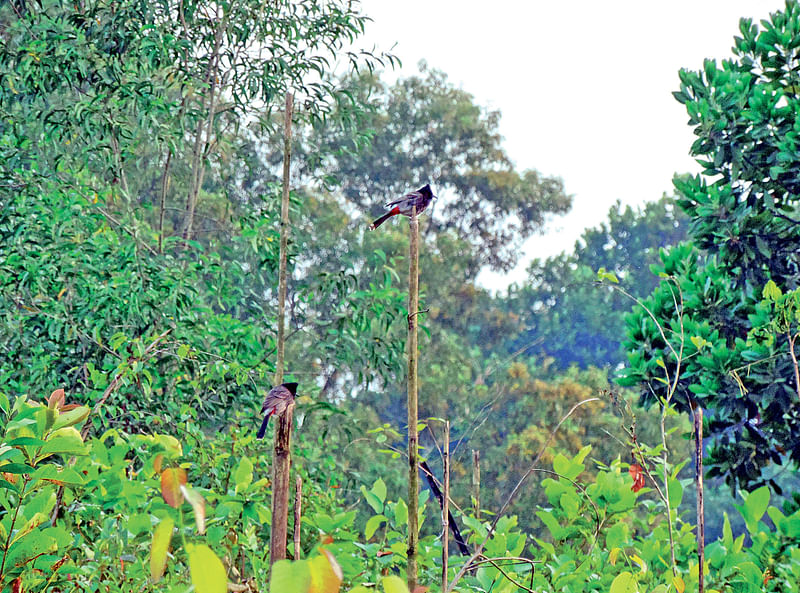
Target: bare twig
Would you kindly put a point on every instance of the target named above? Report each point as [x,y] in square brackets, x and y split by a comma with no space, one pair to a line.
[479,549]
[697,418]
[476,483]
[298,510]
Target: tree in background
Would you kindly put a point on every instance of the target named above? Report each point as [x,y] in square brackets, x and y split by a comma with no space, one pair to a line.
[723,292]
[566,315]
[423,129]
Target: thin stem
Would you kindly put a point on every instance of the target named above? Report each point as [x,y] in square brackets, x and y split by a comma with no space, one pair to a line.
[413,436]
[792,339]
[446,504]
[25,480]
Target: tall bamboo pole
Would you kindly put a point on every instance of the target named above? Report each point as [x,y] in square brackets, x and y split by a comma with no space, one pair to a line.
[281,454]
[413,437]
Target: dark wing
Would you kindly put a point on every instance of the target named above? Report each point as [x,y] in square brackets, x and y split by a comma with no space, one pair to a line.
[274,396]
[409,197]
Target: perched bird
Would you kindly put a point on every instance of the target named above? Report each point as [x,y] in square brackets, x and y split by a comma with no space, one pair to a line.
[276,402]
[419,199]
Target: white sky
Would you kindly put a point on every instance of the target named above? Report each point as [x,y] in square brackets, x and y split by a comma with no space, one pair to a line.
[584,87]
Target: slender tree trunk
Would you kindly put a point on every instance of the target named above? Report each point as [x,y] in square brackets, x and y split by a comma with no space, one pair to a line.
[281,458]
[698,476]
[446,504]
[476,483]
[203,140]
[163,201]
[413,437]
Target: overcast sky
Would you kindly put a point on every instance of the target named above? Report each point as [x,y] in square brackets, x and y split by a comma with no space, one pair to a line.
[584,87]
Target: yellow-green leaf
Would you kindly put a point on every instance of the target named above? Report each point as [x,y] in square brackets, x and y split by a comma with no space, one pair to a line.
[394,584]
[612,556]
[678,583]
[159,548]
[624,582]
[71,418]
[326,575]
[206,569]
[290,576]
[64,441]
[642,564]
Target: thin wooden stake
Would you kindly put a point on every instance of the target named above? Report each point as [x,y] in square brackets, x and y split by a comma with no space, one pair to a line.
[281,455]
[413,436]
[476,483]
[298,511]
[698,476]
[446,504]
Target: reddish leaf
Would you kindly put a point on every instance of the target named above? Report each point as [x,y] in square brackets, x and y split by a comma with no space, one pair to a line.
[59,563]
[69,407]
[636,472]
[382,553]
[16,585]
[172,479]
[159,459]
[420,589]
[56,399]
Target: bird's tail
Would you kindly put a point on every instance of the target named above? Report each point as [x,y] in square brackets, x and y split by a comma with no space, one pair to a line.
[378,222]
[263,430]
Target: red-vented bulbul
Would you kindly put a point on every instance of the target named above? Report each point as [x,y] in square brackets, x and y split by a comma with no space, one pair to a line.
[276,402]
[419,199]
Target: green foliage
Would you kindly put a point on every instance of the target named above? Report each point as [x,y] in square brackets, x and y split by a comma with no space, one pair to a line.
[83,301]
[37,439]
[737,359]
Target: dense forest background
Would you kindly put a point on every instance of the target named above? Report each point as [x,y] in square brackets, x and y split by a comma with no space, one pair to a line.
[141,154]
